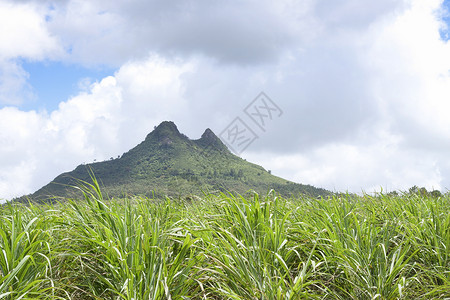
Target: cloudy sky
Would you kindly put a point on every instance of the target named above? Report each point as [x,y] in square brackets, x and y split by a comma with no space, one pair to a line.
[362,87]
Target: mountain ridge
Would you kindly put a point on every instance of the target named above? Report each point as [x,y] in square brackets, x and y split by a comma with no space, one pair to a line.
[168,163]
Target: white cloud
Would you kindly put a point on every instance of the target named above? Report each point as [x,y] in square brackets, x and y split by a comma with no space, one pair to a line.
[14,88]
[403,66]
[242,32]
[357,168]
[110,118]
[18,139]
[24,35]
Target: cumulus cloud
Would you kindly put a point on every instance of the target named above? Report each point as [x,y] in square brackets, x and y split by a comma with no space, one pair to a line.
[353,14]
[241,32]
[386,125]
[14,88]
[24,35]
[381,118]
[107,119]
[380,165]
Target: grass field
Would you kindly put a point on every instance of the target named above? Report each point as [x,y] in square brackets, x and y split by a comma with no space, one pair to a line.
[227,247]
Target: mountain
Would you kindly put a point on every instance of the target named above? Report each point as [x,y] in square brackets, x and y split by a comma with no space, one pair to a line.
[167,163]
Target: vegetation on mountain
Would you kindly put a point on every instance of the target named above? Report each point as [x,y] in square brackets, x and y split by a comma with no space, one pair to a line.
[167,163]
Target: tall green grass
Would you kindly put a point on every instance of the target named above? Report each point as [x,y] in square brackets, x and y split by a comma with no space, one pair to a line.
[227,247]
[26,251]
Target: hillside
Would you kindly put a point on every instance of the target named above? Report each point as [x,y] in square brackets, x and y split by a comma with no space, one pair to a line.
[169,163]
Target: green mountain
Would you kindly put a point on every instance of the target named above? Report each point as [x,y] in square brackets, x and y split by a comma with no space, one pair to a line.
[167,163]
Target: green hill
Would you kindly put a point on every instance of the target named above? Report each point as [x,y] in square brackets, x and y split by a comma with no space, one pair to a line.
[167,163]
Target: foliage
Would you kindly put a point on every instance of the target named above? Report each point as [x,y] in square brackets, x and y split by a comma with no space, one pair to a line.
[227,247]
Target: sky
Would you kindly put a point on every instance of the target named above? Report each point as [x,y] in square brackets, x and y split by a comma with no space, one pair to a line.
[347,95]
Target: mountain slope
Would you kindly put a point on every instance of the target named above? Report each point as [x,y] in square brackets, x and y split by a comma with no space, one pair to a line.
[169,163]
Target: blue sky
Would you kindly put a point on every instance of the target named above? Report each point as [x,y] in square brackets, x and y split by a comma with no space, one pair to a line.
[364,86]
[54,82]
[445,33]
